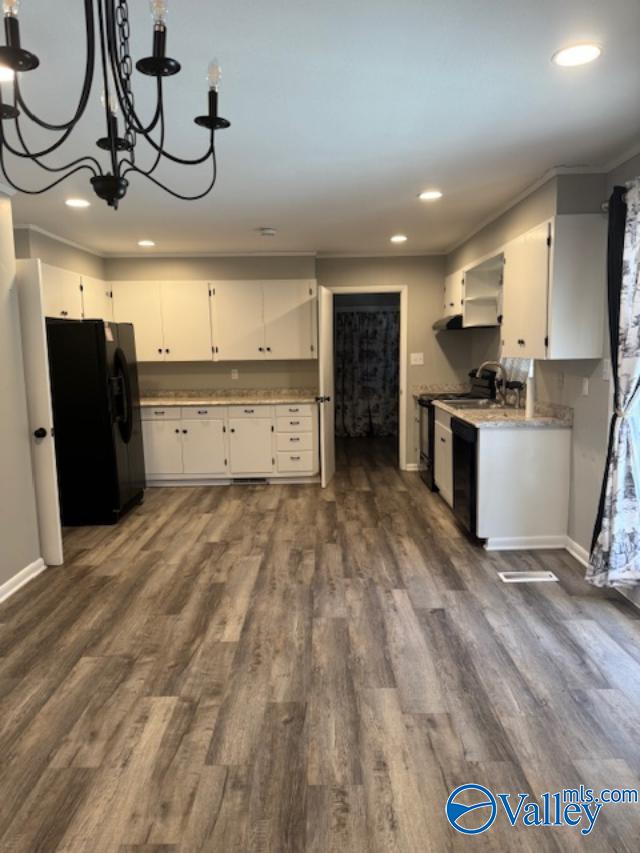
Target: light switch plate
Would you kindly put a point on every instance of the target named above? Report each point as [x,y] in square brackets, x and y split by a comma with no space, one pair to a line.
[417,359]
[235,374]
[585,386]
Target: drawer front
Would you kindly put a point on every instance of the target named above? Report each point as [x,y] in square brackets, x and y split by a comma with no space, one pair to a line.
[295,441]
[160,413]
[294,423]
[304,410]
[204,413]
[250,411]
[443,418]
[295,463]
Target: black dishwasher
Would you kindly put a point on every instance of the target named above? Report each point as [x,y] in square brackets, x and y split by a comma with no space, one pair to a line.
[465,474]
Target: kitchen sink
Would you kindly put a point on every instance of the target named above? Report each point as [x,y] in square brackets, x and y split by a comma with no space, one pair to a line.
[474,404]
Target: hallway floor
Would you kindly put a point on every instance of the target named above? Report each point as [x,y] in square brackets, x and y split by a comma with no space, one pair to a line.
[281,668]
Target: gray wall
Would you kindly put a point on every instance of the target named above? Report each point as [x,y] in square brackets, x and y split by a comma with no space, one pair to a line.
[447,357]
[19,544]
[248,267]
[30,243]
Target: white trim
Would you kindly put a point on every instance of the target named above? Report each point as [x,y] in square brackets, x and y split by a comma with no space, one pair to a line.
[411,466]
[403,290]
[526,543]
[155,255]
[581,554]
[22,578]
[58,239]
[182,481]
[5,189]
[629,154]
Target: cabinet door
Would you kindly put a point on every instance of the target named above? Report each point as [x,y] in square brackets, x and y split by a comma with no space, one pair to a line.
[251,446]
[162,447]
[97,303]
[289,319]
[186,323]
[138,302]
[453,293]
[444,462]
[237,320]
[526,284]
[203,446]
[61,294]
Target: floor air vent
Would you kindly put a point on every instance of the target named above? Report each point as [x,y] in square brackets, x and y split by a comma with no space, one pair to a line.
[527,577]
[249,481]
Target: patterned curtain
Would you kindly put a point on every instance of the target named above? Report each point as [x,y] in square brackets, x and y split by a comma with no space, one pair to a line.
[615,554]
[367,368]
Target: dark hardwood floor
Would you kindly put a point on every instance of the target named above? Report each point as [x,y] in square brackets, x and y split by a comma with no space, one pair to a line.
[281,668]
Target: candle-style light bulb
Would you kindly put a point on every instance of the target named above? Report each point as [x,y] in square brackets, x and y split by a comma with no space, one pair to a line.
[113,103]
[214,75]
[10,8]
[159,10]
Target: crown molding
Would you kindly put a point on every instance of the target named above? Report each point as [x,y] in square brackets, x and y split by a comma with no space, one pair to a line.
[5,189]
[58,239]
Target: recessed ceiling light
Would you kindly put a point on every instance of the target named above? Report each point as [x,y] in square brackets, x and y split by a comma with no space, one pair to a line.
[430,195]
[77,202]
[6,74]
[576,54]
[146,244]
[399,238]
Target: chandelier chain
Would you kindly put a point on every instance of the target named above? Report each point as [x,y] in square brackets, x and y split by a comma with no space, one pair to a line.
[125,66]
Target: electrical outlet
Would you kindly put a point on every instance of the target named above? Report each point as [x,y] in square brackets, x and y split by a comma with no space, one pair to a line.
[585,386]
[606,369]
[417,359]
[235,374]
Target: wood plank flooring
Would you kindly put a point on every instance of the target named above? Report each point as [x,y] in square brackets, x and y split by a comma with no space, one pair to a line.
[281,668]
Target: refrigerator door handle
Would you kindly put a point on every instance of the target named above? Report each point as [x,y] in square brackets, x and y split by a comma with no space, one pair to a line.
[124,401]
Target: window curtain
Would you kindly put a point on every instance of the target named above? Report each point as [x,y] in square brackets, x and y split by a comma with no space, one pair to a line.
[367,345]
[615,553]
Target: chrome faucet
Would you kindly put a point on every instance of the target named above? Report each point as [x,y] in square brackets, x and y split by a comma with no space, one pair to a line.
[502,391]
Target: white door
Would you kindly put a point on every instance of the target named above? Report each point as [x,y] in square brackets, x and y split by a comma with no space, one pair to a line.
[526,284]
[288,319]
[186,322]
[251,446]
[97,303]
[237,320]
[326,382]
[138,302]
[203,446]
[162,447]
[62,296]
[36,369]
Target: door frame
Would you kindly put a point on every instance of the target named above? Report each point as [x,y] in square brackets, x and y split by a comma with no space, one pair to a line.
[403,290]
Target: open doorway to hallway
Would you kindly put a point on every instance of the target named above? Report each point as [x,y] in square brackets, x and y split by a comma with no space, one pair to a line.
[367,378]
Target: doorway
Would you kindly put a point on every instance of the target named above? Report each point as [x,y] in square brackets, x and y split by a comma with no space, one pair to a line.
[367,378]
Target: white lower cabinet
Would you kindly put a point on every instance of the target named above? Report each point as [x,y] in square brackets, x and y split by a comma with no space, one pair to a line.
[201,443]
[443,455]
[251,445]
[162,447]
[204,446]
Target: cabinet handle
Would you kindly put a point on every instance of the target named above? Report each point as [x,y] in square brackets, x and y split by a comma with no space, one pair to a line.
[249,411]
[294,411]
[203,411]
[294,439]
[232,429]
[294,423]
[159,413]
[295,458]
[185,431]
[167,350]
[40,433]
[260,349]
[443,440]
[160,350]
[178,432]
[268,349]
[521,342]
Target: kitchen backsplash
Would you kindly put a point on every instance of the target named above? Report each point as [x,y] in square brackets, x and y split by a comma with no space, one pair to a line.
[183,376]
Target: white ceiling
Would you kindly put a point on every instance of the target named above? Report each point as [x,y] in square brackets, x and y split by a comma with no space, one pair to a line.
[342,111]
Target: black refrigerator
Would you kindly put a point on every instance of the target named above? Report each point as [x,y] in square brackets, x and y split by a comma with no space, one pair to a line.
[96,419]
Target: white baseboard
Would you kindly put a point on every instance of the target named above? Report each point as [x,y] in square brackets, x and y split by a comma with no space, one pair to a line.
[411,466]
[23,577]
[581,554]
[526,543]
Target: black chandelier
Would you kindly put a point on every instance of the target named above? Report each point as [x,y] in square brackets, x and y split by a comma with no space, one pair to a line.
[116,69]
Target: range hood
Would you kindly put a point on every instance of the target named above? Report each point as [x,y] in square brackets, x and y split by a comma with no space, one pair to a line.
[452,322]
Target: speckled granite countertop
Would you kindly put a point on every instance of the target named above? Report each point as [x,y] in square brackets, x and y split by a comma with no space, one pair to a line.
[435,388]
[249,397]
[547,416]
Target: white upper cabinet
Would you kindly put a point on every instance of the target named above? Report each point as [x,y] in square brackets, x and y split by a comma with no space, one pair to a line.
[526,274]
[61,293]
[139,302]
[237,320]
[554,290]
[289,319]
[185,321]
[453,285]
[97,303]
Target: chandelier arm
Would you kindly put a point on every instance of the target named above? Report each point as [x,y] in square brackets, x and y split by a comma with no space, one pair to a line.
[86,88]
[44,189]
[133,168]
[25,154]
[126,104]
